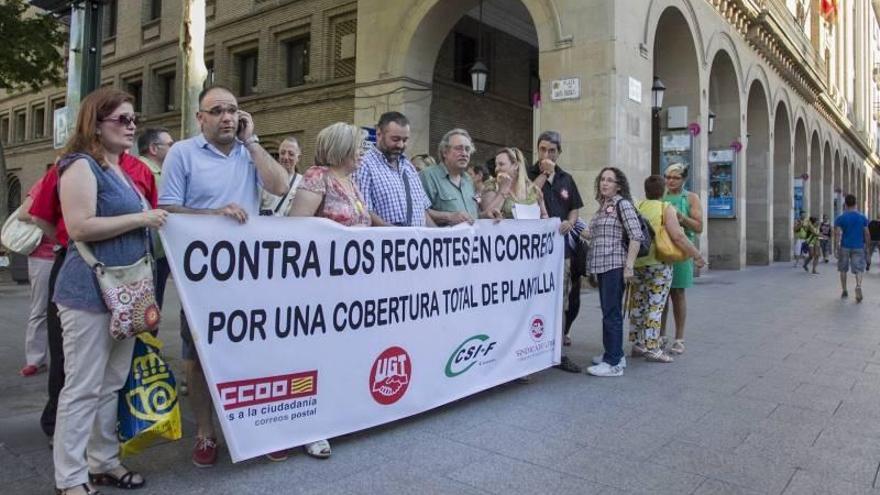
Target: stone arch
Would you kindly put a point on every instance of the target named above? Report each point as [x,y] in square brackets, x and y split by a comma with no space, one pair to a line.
[800,167]
[815,174]
[838,183]
[756,72]
[827,186]
[758,178]
[782,182]
[725,235]
[658,8]
[783,97]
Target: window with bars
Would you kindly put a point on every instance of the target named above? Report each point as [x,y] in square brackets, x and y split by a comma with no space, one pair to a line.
[344,44]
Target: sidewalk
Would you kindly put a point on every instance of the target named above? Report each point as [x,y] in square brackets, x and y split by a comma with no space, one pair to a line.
[779,392]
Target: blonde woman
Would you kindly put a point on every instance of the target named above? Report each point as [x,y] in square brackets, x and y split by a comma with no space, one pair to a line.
[328,188]
[510,185]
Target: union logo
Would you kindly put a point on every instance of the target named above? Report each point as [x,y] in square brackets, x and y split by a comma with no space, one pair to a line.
[536,328]
[390,375]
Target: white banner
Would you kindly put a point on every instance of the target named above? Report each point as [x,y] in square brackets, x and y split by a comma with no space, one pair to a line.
[309,330]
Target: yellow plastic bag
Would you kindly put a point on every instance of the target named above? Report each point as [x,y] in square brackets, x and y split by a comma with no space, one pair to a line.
[148,407]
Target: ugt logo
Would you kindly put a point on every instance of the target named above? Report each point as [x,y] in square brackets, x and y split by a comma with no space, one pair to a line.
[390,375]
[536,328]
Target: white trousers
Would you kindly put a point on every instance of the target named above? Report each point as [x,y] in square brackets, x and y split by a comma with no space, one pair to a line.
[35,340]
[96,367]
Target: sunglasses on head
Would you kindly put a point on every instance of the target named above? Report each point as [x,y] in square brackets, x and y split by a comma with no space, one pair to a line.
[122,119]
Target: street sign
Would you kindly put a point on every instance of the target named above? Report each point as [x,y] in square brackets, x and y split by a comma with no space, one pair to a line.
[61,127]
[565,89]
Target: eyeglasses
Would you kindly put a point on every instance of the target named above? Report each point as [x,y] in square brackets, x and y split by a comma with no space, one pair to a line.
[462,148]
[159,143]
[218,111]
[124,120]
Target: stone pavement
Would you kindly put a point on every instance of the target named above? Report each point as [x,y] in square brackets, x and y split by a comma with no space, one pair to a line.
[779,392]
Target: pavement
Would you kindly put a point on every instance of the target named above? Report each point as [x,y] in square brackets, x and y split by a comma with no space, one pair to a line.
[778,393]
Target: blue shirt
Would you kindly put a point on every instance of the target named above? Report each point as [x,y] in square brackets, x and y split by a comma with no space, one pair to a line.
[853,224]
[393,193]
[197,175]
[77,286]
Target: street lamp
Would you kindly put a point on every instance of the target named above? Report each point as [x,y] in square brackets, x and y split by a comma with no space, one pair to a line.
[711,124]
[479,72]
[657,91]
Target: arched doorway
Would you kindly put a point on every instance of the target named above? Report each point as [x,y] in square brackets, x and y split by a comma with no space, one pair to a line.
[815,173]
[827,188]
[782,175]
[13,194]
[801,191]
[758,177]
[503,116]
[675,64]
[725,234]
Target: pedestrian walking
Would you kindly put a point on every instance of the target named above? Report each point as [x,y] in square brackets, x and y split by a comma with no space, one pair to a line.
[652,278]
[851,235]
[811,241]
[825,237]
[800,235]
[690,216]
[612,260]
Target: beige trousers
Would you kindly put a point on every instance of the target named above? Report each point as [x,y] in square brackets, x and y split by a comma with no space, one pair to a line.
[36,344]
[96,367]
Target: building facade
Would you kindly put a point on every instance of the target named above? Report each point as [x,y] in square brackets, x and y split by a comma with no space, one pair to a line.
[793,87]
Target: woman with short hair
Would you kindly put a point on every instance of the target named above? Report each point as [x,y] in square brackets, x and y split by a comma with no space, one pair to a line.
[689,213]
[653,278]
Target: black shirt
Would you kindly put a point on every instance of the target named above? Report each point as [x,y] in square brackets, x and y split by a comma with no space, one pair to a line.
[561,196]
[874,228]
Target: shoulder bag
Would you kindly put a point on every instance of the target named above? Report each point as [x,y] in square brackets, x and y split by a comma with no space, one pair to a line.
[20,237]
[664,249]
[647,231]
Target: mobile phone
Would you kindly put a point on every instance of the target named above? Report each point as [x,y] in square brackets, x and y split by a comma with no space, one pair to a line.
[242,123]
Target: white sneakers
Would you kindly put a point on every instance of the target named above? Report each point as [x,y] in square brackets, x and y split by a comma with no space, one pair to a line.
[601,358]
[605,369]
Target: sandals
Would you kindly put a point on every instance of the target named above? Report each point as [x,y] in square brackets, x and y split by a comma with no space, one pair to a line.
[658,356]
[124,482]
[84,486]
[319,449]
[677,347]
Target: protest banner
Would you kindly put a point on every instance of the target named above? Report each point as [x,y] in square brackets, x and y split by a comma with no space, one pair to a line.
[308,330]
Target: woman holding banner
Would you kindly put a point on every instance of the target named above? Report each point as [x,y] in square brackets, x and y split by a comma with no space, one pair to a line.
[510,186]
[328,190]
[101,207]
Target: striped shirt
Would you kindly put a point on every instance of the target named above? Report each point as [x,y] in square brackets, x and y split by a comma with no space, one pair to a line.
[607,251]
[395,194]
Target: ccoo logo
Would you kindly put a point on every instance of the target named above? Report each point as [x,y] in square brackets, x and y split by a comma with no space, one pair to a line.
[536,328]
[390,375]
[474,350]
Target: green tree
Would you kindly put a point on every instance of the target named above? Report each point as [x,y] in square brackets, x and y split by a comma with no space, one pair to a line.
[30,58]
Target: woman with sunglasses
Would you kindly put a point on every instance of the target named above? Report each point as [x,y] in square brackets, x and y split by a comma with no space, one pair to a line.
[102,208]
[690,216]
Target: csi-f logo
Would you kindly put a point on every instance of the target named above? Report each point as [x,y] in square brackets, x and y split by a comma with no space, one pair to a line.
[474,350]
[390,375]
[536,328]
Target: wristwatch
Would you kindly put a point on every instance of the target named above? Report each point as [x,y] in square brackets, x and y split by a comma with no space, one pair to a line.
[253,139]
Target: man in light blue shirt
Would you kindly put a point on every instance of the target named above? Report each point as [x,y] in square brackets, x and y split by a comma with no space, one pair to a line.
[218,172]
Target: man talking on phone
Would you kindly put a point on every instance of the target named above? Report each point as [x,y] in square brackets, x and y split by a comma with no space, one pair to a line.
[218,172]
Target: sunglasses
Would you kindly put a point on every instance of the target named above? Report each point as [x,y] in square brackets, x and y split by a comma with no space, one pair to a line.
[122,119]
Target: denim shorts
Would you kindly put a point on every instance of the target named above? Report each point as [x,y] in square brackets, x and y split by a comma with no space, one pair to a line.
[851,260]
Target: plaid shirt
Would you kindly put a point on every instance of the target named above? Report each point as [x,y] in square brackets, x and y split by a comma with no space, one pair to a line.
[607,251]
[385,189]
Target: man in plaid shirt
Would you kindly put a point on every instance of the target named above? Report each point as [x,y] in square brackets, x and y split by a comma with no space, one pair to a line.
[388,180]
